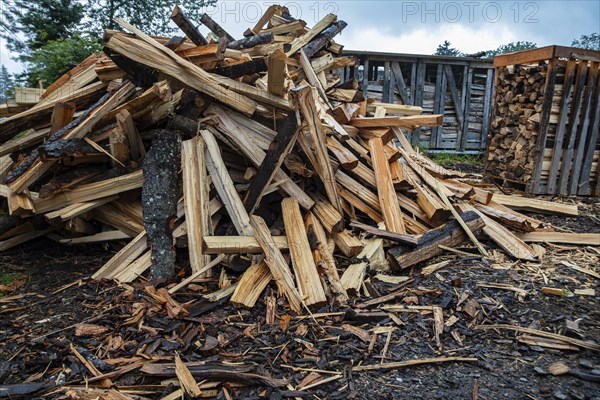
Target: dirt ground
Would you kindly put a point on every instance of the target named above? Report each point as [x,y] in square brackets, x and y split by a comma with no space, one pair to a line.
[39,313]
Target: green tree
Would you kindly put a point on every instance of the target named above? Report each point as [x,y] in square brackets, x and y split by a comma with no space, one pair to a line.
[152,16]
[511,47]
[56,57]
[49,36]
[444,49]
[28,25]
[7,84]
[591,41]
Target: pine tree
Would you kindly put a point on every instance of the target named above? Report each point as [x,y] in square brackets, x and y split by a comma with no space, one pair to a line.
[28,25]
[150,15]
[7,85]
[444,49]
[591,41]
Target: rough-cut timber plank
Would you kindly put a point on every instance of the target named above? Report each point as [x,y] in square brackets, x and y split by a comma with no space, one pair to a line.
[281,145]
[451,234]
[124,257]
[224,185]
[159,200]
[276,263]
[408,122]
[323,257]
[392,215]
[321,163]
[90,191]
[535,205]
[187,27]
[307,276]
[589,239]
[408,240]
[238,244]
[195,199]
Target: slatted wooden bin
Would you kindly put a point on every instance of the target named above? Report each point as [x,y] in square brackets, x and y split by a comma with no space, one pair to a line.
[461,88]
[544,132]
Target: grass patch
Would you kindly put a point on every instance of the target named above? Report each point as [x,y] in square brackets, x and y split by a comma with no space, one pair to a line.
[450,159]
[7,278]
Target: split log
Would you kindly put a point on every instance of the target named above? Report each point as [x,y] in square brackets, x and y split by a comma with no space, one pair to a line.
[321,40]
[238,244]
[281,145]
[235,71]
[307,276]
[303,40]
[353,277]
[159,201]
[323,256]
[451,234]
[215,27]
[252,283]
[242,140]
[224,185]
[388,200]
[276,263]
[195,199]
[187,27]
[61,115]
[252,41]
[314,146]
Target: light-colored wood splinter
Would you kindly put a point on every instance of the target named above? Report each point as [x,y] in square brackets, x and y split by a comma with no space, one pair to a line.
[195,199]
[307,276]
[388,200]
[224,185]
[276,263]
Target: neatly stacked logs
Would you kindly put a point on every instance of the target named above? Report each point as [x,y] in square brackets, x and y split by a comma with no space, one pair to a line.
[519,95]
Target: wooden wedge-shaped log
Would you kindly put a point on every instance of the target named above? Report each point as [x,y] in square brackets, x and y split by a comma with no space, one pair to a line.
[449,235]
[224,185]
[307,276]
[388,200]
[195,199]
[276,263]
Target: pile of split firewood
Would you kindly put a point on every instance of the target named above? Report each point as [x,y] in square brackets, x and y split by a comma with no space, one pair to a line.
[251,157]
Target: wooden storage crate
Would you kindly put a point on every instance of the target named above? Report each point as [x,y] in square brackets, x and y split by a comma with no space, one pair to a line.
[544,129]
[461,88]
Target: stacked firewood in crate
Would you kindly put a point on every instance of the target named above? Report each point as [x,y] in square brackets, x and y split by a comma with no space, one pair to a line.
[245,160]
[519,95]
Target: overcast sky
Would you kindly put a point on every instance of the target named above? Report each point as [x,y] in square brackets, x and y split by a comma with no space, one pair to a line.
[419,26]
